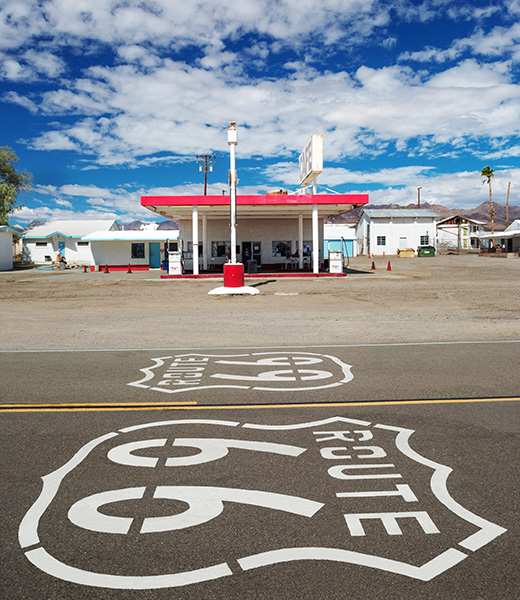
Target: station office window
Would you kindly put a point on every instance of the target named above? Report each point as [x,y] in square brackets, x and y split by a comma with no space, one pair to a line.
[41,244]
[425,240]
[381,240]
[138,250]
[83,243]
[189,254]
[219,249]
[281,248]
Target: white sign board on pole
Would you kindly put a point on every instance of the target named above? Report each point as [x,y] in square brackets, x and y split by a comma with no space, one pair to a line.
[311,160]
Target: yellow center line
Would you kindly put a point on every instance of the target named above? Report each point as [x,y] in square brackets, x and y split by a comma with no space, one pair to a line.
[193,405]
[89,404]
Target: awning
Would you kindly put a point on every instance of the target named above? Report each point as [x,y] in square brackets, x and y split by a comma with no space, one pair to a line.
[157,235]
[501,235]
[278,206]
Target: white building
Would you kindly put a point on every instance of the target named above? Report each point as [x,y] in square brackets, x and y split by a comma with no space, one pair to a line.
[6,247]
[385,231]
[339,236]
[459,232]
[115,249]
[503,243]
[47,242]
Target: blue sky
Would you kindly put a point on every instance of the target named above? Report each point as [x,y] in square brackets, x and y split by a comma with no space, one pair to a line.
[108,100]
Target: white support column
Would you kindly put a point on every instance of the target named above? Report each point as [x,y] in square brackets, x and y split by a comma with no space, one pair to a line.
[300,240]
[195,236]
[205,247]
[315,240]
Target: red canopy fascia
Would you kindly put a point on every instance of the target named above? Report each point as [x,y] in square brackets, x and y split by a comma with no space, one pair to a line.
[275,205]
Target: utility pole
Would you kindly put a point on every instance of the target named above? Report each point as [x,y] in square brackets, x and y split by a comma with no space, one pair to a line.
[507,204]
[205,162]
[419,197]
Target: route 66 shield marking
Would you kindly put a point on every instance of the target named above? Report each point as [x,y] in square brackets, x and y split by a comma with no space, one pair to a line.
[339,489]
[259,371]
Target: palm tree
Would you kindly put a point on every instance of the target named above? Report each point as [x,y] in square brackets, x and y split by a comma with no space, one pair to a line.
[488,173]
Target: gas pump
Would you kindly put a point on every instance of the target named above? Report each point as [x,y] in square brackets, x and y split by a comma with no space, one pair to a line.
[335,260]
[175,263]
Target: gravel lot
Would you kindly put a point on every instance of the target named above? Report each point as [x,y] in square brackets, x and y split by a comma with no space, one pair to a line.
[444,298]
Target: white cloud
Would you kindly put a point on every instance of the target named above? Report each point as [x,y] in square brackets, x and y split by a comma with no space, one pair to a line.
[26,215]
[26,102]
[399,185]
[184,110]
[162,21]
[44,63]
[452,190]
[54,140]
[65,203]
[14,70]
[501,41]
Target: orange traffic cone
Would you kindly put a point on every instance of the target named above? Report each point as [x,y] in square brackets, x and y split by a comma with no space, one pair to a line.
[373,266]
[106,269]
[129,269]
[389,268]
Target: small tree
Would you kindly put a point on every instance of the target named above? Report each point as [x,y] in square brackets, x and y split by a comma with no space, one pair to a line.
[12,182]
[488,173]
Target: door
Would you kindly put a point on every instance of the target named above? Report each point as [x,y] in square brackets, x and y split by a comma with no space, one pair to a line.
[154,254]
[403,242]
[257,253]
[252,251]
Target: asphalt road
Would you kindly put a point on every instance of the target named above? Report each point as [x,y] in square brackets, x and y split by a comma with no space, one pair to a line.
[359,472]
[264,375]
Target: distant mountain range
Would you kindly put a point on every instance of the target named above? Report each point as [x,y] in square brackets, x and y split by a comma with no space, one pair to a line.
[139,225]
[480,213]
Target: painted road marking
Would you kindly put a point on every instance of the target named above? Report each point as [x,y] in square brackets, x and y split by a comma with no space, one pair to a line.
[284,521]
[256,371]
[265,348]
[194,406]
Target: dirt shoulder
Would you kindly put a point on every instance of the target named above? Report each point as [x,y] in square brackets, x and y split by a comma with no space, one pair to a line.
[421,299]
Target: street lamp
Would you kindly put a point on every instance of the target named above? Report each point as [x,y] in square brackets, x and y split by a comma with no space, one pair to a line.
[419,197]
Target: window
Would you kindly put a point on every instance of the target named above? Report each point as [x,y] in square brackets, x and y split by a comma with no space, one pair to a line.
[381,240]
[220,249]
[189,254]
[41,244]
[83,243]
[281,249]
[307,248]
[138,250]
[425,240]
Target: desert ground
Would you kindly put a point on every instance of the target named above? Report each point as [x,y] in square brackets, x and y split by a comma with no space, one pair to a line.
[441,298]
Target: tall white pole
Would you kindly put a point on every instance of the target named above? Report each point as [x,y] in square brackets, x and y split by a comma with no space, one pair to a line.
[195,236]
[315,240]
[315,231]
[300,241]
[233,141]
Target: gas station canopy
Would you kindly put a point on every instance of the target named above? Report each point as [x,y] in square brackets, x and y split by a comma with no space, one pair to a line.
[270,206]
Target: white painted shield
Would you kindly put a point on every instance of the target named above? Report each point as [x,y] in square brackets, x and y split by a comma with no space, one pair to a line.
[339,489]
[258,371]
